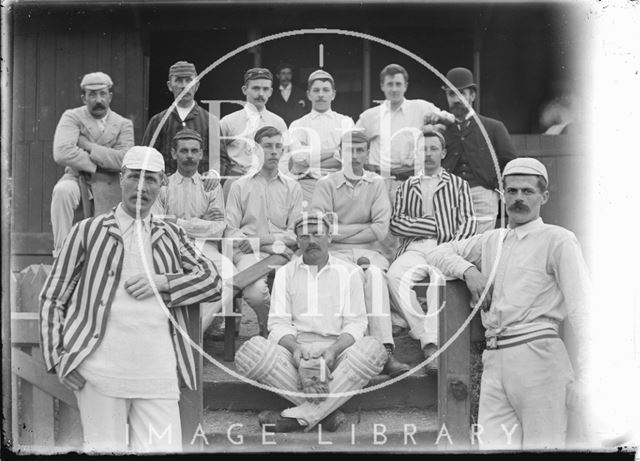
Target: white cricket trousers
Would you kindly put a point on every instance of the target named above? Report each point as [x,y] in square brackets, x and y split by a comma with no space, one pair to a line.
[523,396]
[111,424]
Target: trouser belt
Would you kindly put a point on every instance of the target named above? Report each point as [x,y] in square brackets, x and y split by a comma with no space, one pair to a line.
[503,342]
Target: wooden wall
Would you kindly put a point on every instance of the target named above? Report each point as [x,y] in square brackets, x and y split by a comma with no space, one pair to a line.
[49,60]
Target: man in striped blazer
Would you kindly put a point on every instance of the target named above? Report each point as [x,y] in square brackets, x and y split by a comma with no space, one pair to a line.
[114,311]
[430,208]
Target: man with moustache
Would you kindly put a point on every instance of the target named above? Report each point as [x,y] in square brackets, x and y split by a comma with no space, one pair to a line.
[430,208]
[541,279]
[238,128]
[316,341]
[104,329]
[185,201]
[468,152]
[316,136]
[289,101]
[359,203]
[260,213]
[87,139]
[186,114]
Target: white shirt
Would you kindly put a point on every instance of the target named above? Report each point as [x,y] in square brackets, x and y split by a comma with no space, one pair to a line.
[394,135]
[428,184]
[184,111]
[541,277]
[325,303]
[315,134]
[242,125]
[286,91]
[135,358]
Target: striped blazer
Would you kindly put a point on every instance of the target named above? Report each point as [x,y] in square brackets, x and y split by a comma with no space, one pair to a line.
[453,217]
[76,298]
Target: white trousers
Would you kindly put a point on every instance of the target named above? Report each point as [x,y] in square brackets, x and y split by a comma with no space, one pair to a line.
[407,269]
[65,198]
[485,207]
[111,424]
[272,364]
[376,291]
[523,396]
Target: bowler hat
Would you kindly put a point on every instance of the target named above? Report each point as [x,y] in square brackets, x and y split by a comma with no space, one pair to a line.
[460,78]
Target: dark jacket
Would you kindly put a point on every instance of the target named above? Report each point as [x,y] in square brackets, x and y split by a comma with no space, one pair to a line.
[197,120]
[293,109]
[468,154]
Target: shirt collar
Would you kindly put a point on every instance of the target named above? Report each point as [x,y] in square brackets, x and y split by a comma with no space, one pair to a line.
[251,110]
[125,221]
[300,262]
[315,114]
[188,109]
[524,230]
[180,179]
[282,87]
[366,177]
[437,175]
[278,175]
[386,106]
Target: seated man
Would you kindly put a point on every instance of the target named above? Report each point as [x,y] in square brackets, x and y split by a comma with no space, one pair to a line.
[88,138]
[303,347]
[200,212]
[360,205]
[261,209]
[431,208]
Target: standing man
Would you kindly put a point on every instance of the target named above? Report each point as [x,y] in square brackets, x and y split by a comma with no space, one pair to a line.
[87,138]
[359,202]
[200,212]
[107,333]
[316,329]
[239,128]
[261,208]
[288,102]
[469,156]
[186,114]
[430,208]
[395,127]
[540,279]
[317,135]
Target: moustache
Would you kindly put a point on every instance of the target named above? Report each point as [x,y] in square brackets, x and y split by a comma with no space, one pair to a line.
[99,106]
[518,207]
[312,247]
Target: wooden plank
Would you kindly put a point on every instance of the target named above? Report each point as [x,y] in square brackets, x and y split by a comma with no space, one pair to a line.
[44,422]
[48,181]
[135,84]
[20,183]
[18,88]
[34,217]
[45,86]
[117,62]
[25,331]
[20,262]
[454,374]
[29,76]
[33,371]
[89,52]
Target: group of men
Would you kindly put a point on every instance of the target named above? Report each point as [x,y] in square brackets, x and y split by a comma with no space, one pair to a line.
[360,210]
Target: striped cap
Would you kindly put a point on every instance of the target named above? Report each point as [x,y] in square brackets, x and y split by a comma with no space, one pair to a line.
[182,69]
